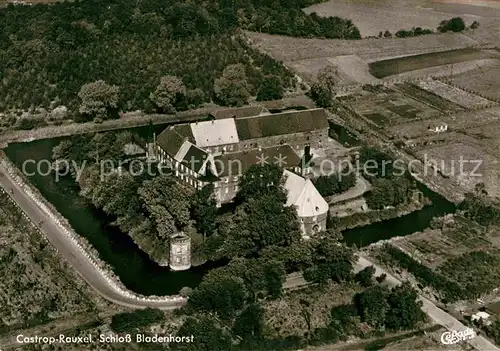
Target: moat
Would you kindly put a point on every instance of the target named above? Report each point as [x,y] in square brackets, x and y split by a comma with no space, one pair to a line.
[135,269]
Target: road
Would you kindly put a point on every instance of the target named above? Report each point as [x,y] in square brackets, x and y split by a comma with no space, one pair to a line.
[70,251]
[435,313]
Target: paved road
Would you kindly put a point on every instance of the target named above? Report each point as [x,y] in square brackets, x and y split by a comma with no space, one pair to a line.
[72,254]
[435,313]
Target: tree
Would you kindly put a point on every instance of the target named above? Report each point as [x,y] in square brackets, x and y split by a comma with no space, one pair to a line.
[381,278]
[204,209]
[321,95]
[329,77]
[271,88]
[372,305]
[249,324]
[474,25]
[382,194]
[221,294]
[404,308]
[232,88]
[168,93]
[259,180]
[195,97]
[342,318]
[456,24]
[364,277]
[331,260]
[167,201]
[98,99]
[274,276]
[387,34]
[208,335]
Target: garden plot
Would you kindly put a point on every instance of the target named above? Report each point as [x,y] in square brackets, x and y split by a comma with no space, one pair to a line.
[384,106]
[428,98]
[434,246]
[455,95]
[460,121]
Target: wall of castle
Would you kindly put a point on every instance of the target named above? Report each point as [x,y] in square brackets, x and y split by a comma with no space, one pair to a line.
[298,141]
[312,225]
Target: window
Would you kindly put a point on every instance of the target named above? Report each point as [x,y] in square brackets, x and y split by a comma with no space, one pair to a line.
[226,190]
[235,188]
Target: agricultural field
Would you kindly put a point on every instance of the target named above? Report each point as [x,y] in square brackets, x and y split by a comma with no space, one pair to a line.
[454,94]
[37,286]
[351,57]
[385,68]
[485,80]
[366,14]
[465,163]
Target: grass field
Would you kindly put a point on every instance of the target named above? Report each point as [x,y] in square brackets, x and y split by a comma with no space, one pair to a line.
[386,68]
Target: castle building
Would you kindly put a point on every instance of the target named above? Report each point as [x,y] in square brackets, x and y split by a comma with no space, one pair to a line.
[180,252]
[312,209]
[219,151]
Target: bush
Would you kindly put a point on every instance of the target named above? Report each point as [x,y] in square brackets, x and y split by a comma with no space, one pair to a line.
[27,123]
[321,95]
[128,322]
[364,277]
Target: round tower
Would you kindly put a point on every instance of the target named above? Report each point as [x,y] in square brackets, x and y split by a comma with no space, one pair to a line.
[180,252]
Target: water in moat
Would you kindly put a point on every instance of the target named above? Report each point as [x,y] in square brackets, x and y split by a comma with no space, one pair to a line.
[135,269]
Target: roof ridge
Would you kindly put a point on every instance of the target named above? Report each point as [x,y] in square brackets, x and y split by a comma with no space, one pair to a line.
[283,113]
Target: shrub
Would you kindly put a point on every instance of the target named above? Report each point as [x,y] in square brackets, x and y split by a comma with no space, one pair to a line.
[130,321]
